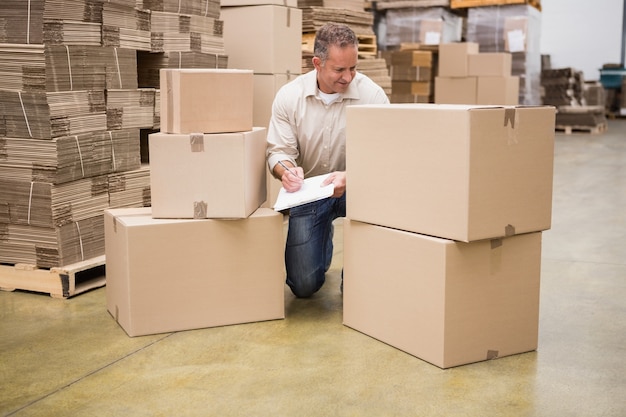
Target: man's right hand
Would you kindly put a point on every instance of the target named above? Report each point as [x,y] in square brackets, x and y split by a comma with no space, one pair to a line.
[292,178]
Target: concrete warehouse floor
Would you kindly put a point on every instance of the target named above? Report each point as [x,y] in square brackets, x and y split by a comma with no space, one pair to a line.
[70,358]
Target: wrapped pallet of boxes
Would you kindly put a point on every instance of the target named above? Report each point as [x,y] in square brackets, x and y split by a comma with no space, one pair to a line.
[459,218]
[166,275]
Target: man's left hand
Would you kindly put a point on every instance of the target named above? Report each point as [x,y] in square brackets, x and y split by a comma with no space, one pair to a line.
[338,178]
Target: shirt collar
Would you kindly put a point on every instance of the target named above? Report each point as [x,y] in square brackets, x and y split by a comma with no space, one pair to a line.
[311,86]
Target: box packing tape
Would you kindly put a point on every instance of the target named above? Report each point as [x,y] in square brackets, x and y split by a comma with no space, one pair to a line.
[196,142]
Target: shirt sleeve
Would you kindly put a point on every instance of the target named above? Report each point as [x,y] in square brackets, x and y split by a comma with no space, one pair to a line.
[282,143]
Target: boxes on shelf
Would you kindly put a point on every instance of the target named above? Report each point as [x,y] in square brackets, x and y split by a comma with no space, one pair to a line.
[219,175]
[166,275]
[445,302]
[464,173]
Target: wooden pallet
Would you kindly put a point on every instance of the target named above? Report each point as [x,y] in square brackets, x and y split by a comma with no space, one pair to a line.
[367,44]
[461,4]
[59,282]
[594,130]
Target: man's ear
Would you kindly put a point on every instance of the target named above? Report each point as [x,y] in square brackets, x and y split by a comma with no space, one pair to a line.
[317,62]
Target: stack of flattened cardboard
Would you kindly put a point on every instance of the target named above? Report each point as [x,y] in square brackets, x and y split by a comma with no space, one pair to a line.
[464,241]
[130,188]
[562,87]
[360,21]
[150,64]
[56,151]
[125,27]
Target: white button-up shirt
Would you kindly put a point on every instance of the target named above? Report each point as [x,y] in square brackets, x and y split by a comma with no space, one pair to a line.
[308,132]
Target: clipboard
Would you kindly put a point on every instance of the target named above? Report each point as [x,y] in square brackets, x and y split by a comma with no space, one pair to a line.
[311,190]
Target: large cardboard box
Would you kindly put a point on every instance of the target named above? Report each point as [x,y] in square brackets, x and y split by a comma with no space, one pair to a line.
[271,43]
[166,275]
[490,64]
[448,303]
[265,88]
[206,100]
[458,172]
[498,90]
[220,175]
[453,58]
[456,90]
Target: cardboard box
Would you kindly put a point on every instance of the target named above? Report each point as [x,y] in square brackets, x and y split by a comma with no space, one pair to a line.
[498,90]
[458,172]
[271,43]
[448,303]
[207,176]
[206,100]
[265,88]
[410,58]
[490,64]
[166,275]
[422,88]
[453,58]
[410,73]
[458,90]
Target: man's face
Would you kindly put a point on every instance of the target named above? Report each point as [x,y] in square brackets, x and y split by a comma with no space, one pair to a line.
[339,70]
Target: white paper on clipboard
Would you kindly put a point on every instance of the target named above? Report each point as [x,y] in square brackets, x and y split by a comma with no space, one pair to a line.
[312,190]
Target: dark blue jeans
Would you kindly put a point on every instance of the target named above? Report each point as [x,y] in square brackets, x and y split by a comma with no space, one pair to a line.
[309,249]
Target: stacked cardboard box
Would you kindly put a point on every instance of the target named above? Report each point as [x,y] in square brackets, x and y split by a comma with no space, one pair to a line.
[412,75]
[442,243]
[271,47]
[180,264]
[467,76]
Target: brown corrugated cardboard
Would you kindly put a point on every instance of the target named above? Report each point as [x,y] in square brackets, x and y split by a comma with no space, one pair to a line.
[271,43]
[206,100]
[490,64]
[458,172]
[423,88]
[412,58]
[265,88]
[457,90]
[448,303]
[220,175]
[288,3]
[167,275]
[453,60]
[498,90]
[410,73]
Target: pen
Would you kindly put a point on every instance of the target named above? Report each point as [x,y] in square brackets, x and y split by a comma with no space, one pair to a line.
[288,169]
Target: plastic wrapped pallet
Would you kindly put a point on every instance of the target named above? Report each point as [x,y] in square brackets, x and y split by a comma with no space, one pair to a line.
[415,25]
[515,29]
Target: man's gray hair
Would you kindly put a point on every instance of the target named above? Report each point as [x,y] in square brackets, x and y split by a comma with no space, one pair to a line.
[333,34]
